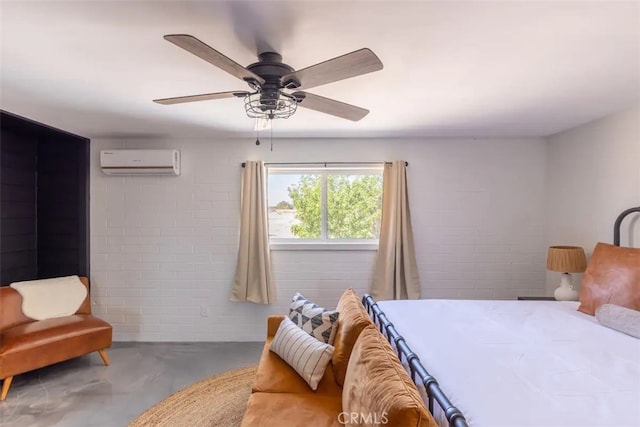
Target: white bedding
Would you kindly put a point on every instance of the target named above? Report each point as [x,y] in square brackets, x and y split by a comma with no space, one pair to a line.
[524,363]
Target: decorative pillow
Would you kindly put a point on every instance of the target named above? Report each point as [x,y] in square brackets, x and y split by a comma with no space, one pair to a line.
[612,277]
[51,298]
[318,322]
[308,356]
[377,384]
[619,318]
[353,319]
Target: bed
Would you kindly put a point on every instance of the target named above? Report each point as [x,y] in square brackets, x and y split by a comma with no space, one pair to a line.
[515,363]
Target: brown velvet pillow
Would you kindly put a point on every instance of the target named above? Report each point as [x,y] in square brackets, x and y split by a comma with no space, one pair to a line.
[612,277]
[353,319]
[378,385]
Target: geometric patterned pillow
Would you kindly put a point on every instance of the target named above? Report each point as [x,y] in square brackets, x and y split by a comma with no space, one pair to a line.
[318,322]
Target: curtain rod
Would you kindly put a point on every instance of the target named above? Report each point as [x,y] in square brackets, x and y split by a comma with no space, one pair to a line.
[243,164]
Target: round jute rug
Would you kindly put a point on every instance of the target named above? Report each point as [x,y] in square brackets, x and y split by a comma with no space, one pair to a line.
[217,401]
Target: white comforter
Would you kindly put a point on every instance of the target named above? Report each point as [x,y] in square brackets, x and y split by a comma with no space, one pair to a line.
[524,363]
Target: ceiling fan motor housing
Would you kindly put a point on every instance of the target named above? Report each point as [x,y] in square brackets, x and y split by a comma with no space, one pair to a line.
[271,68]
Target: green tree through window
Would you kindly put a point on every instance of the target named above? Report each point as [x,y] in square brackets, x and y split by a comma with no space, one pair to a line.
[284,205]
[306,196]
[354,206]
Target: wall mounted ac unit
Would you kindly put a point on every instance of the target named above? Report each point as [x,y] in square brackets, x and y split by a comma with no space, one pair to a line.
[140,162]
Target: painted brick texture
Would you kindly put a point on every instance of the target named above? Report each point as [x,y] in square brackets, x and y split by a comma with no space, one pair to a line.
[163,249]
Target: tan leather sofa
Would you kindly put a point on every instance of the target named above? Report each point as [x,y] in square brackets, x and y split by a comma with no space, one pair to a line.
[364,384]
[27,344]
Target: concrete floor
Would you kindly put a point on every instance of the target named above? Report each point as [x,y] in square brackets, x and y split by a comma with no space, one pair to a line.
[84,392]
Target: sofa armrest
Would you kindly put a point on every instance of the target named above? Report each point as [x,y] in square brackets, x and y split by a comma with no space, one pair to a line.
[85,307]
[273,322]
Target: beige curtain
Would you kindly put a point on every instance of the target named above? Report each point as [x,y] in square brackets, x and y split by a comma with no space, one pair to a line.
[396,273]
[252,281]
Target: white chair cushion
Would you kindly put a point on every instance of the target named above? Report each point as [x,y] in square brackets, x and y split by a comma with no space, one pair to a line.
[49,298]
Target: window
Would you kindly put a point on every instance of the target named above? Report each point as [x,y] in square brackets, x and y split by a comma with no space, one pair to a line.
[331,207]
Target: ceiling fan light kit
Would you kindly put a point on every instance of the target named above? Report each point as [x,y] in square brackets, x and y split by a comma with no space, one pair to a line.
[269,78]
[260,106]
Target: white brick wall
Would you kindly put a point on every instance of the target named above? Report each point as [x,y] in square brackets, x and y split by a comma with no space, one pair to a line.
[164,248]
[593,175]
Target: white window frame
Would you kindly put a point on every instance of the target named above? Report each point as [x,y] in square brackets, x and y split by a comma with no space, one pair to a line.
[324,243]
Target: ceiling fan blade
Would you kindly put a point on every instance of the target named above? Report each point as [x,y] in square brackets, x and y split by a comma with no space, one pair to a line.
[203,97]
[352,64]
[212,56]
[330,106]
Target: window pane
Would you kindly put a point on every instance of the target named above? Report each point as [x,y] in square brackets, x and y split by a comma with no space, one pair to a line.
[354,206]
[294,206]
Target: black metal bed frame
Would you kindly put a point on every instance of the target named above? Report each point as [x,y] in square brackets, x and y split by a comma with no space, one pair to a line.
[616,226]
[453,414]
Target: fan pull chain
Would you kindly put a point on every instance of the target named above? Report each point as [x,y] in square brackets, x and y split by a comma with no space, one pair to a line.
[257,137]
[272,135]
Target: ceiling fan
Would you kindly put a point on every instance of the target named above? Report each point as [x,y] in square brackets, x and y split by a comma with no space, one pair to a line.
[269,78]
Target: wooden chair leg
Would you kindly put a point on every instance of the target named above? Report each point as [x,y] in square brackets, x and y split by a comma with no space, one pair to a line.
[103,354]
[5,387]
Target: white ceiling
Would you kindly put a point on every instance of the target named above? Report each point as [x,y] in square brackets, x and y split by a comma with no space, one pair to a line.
[451,68]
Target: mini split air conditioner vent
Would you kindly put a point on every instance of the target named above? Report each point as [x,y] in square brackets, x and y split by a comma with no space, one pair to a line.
[140,162]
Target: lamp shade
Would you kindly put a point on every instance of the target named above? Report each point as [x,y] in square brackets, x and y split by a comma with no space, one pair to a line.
[566,259]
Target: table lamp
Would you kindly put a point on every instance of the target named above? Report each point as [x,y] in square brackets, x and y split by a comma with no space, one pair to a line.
[567,260]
